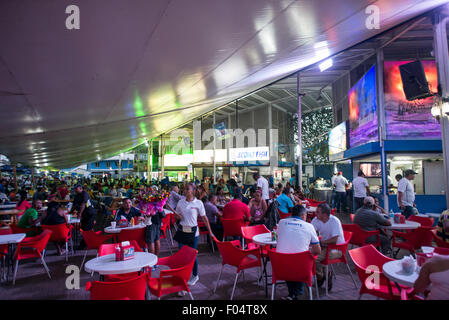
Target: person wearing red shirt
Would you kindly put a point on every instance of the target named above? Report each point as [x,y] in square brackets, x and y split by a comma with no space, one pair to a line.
[236,209]
[63,191]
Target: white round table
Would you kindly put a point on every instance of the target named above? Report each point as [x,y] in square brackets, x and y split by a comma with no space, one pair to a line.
[393,271]
[264,239]
[408,225]
[107,264]
[110,229]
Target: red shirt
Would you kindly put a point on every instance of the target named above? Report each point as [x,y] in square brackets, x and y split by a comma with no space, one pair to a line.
[236,209]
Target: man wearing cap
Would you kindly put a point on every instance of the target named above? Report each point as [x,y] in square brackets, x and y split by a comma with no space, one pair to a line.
[367,218]
[406,194]
[361,189]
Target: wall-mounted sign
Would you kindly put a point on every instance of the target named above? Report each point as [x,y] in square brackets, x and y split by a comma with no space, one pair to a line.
[249,154]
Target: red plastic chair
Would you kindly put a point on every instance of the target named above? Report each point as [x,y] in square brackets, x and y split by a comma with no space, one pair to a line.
[137,235]
[93,241]
[233,255]
[440,242]
[109,248]
[175,279]
[340,247]
[232,227]
[333,211]
[60,233]
[410,294]
[359,235]
[15,229]
[298,267]
[352,217]
[424,221]
[284,215]
[369,262]
[442,251]
[203,231]
[412,240]
[129,289]
[164,227]
[32,247]
[249,232]
[4,247]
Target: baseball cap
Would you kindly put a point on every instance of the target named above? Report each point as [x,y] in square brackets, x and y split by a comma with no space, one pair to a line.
[78,185]
[368,201]
[409,171]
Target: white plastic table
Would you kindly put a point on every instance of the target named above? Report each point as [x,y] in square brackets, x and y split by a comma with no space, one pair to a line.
[393,271]
[408,225]
[110,229]
[263,239]
[10,240]
[107,264]
[311,209]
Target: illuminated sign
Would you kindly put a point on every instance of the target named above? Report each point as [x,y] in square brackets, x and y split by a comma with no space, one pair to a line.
[249,154]
[207,156]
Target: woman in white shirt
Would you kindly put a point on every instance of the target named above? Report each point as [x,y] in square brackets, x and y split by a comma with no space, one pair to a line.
[187,211]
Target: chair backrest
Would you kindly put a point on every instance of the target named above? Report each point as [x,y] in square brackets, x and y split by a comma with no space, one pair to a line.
[59,231]
[233,227]
[184,260]
[5,231]
[296,267]
[249,232]
[132,289]
[358,234]
[284,215]
[440,242]
[133,234]
[16,229]
[230,254]
[94,239]
[38,242]
[424,221]
[368,261]
[441,251]
[109,248]
[352,217]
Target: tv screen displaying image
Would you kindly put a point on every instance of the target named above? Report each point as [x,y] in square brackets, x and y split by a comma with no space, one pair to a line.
[409,119]
[363,110]
[337,140]
[372,170]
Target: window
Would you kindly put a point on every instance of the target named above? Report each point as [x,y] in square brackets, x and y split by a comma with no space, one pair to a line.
[97,164]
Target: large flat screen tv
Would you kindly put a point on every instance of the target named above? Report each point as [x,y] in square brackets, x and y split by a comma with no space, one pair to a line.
[363,110]
[409,119]
[338,141]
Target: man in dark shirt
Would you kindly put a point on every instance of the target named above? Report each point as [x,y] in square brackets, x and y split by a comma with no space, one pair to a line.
[127,211]
[84,209]
[368,219]
[212,214]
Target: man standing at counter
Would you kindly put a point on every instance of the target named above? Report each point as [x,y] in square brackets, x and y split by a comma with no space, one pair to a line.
[406,194]
[340,184]
[361,190]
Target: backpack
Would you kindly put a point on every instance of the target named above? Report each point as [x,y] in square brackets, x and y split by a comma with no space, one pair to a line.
[272,216]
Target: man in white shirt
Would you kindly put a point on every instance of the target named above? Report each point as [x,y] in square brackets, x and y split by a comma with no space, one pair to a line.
[340,184]
[296,235]
[262,185]
[331,232]
[361,190]
[406,194]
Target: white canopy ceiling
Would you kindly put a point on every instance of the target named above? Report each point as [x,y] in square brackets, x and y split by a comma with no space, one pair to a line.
[139,68]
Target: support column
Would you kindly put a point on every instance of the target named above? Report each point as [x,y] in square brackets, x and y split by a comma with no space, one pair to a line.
[215,147]
[33,183]
[120,166]
[298,87]
[442,60]
[148,160]
[381,124]
[162,157]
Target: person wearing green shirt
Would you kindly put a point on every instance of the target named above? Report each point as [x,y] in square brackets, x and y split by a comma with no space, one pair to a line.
[30,217]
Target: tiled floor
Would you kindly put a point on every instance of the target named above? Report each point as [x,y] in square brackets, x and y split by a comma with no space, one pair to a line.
[32,281]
